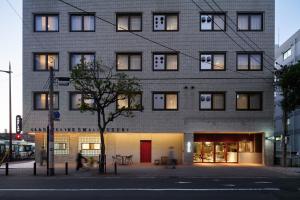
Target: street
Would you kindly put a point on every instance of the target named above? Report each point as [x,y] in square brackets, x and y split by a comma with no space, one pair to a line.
[117,187]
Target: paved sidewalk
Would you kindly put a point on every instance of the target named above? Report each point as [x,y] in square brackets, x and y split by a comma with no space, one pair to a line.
[152,171]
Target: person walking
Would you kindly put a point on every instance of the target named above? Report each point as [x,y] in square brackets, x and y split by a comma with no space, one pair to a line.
[79,160]
[43,156]
[171,160]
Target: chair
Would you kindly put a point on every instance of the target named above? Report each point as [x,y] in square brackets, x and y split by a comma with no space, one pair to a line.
[119,159]
[129,160]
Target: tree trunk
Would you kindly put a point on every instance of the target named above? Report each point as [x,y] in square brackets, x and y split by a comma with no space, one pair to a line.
[102,158]
[284,139]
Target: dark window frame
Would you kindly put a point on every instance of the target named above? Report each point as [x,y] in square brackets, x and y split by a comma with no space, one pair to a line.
[213,24]
[90,146]
[248,93]
[213,53]
[47,67]
[249,58]
[129,54]
[65,145]
[166,62]
[212,97]
[165,93]
[82,54]
[129,106]
[129,15]
[47,103]
[166,14]
[82,21]
[249,21]
[45,15]
[70,100]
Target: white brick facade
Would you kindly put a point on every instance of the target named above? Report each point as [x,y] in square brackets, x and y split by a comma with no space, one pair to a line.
[105,41]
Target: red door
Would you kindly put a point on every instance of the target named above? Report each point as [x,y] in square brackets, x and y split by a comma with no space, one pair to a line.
[145,151]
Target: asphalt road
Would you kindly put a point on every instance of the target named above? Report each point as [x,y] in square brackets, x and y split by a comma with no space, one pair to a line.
[133,188]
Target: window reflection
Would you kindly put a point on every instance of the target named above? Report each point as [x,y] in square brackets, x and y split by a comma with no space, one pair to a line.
[171,101]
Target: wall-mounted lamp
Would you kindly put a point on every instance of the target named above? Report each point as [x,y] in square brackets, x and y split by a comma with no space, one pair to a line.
[189,147]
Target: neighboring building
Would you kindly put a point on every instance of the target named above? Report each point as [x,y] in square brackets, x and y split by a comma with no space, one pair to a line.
[215,105]
[287,54]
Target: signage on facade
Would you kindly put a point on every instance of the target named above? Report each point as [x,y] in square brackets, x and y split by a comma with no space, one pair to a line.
[18,124]
[80,129]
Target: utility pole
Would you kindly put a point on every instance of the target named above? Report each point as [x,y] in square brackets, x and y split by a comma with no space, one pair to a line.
[50,132]
[10,125]
[10,120]
[284,140]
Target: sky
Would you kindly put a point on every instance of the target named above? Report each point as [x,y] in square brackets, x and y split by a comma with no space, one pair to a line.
[11,49]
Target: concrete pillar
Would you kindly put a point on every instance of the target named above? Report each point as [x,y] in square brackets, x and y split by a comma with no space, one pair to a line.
[188,148]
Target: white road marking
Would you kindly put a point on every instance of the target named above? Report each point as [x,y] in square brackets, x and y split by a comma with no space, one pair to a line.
[134,189]
[262,182]
[229,185]
[183,182]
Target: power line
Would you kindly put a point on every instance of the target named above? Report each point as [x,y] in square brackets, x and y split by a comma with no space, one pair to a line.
[148,39]
[250,45]
[232,21]
[225,32]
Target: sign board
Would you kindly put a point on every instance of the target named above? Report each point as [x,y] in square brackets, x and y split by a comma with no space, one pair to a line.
[63,81]
[56,115]
[18,124]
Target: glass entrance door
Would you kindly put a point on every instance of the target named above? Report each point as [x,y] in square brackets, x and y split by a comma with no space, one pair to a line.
[220,150]
[208,152]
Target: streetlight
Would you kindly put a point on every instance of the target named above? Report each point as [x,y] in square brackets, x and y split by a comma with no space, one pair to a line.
[10,126]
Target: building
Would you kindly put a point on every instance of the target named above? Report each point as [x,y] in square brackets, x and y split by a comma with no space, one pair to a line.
[287,54]
[211,100]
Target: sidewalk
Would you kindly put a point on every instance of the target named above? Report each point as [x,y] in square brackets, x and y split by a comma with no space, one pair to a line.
[152,171]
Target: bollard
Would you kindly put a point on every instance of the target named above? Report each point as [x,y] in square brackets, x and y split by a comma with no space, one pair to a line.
[116,172]
[34,168]
[6,169]
[66,168]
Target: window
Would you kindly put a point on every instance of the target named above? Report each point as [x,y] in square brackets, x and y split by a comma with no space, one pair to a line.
[129,22]
[130,102]
[129,61]
[287,54]
[165,100]
[249,61]
[250,22]
[43,61]
[246,146]
[165,61]
[46,23]
[41,102]
[212,22]
[81,58]
[212,61]
[82,23]
[60,146]
[90,146]
[77,99]
[249,101]
[165,22]
[212,101]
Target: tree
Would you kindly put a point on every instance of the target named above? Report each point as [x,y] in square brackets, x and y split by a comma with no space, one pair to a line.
[101,90]
[289,83]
